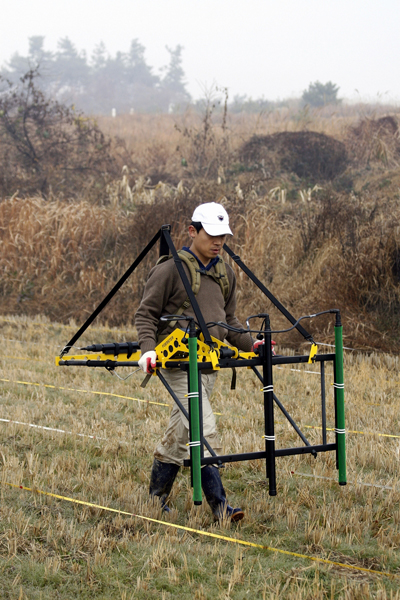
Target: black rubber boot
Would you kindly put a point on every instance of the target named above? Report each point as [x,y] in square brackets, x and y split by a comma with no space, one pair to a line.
[161,480]
[215,495]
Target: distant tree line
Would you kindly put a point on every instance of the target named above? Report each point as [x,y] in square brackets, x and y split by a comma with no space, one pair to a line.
[316,95]
[124,82]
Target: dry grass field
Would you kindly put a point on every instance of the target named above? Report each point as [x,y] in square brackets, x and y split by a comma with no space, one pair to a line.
[321,239]
[88,436]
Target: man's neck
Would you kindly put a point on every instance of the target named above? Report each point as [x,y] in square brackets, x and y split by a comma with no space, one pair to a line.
[202,259]
[210,262]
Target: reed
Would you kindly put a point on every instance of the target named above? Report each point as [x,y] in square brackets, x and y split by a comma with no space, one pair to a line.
[316,249]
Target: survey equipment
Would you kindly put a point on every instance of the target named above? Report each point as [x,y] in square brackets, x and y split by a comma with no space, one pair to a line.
[190,347]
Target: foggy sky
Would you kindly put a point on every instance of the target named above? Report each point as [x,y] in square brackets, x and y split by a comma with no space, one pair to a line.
[269,48]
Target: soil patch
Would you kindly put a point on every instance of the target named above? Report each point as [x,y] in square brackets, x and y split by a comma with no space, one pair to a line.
[308,154]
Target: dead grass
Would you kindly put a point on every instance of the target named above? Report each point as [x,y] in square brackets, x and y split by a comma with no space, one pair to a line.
[46,544]
[323,250]
[374,140]
[315,249]
[144,132]
[316,245]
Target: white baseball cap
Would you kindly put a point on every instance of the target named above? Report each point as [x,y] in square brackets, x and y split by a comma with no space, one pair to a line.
[213,217]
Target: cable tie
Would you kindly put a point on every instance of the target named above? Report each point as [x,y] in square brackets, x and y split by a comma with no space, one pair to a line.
[338,386]
[192,395]
[267,388]
[193,444]
[269,438]
[343,431]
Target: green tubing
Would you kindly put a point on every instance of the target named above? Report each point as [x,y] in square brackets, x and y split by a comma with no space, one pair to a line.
[339,389]
[194,420]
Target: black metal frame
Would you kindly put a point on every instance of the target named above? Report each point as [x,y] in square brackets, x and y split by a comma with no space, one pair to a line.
[266,360]
[270,398]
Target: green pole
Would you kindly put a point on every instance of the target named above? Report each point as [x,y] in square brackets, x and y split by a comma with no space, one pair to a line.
[339,398]
[195,443]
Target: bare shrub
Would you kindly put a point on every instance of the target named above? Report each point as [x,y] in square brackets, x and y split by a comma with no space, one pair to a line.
[49,148]
[314,248]
[349,255]
[206,148]
[61,259]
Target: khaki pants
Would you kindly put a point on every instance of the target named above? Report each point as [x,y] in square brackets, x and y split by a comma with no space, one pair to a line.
[173,446]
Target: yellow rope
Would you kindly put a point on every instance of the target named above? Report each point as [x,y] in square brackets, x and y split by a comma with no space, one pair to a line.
[54,387]
[206,533]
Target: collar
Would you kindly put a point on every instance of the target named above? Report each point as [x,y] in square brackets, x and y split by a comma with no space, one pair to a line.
[210,265]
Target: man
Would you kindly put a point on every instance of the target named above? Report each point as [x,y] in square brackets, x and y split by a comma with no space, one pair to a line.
[165,294]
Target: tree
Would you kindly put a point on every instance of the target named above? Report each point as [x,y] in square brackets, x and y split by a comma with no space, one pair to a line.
[37,57]
[48,147]
[99,57]
[320,94]
[137,70]
[142,85]
[173,83]
[124,81]
[71,70]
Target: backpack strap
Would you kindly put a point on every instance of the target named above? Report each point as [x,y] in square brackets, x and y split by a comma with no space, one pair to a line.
[191,263]
[195,279]
[220,276]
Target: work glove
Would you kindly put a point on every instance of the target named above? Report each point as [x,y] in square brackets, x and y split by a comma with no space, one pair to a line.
[147,362]
[261,343]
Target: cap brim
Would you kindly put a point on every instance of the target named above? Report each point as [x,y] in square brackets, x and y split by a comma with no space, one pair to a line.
[217,229]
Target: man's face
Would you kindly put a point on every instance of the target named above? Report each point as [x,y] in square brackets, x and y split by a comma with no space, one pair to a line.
[204,246]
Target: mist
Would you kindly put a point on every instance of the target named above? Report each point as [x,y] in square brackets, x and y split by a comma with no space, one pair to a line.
[259,49]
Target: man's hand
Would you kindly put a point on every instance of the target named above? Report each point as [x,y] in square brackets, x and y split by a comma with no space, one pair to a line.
[261,343]
[147,362]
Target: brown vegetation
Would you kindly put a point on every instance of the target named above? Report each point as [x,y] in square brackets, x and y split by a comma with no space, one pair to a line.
[49,148]
[316,245]
[374,140]
[51,547]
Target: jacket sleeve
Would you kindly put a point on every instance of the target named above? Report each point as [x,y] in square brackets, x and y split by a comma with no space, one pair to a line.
[243,341]
[158,290]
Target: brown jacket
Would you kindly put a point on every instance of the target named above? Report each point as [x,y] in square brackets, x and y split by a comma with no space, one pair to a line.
[164,294]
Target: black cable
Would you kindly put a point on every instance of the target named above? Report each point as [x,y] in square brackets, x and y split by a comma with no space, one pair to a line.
[237,330]
[188,319]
